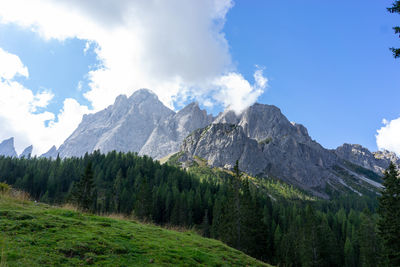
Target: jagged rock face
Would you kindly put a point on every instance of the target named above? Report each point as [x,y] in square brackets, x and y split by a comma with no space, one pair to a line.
[51,154]
[356,154]
[387,156]
[7,148]
[167,137]
[222,144]
[260,122]
[140,123]
[287,158]
[124,126]
[27,152]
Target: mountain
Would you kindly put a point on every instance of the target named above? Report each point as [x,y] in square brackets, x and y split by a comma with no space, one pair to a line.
[167,137]
[140,123]
[7,148]
[27,152]
[124,126]
[264,141]
[267,144]
[374,161]
[52,153]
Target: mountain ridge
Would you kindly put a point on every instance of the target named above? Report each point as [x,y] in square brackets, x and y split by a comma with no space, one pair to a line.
[264,141]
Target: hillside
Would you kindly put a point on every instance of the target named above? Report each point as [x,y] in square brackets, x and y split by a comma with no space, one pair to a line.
[35,234]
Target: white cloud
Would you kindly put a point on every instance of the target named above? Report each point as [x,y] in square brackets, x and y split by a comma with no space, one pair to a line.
[177,48]
[166,46]
[11,66]
[388,136]
[237,93]
[20,116]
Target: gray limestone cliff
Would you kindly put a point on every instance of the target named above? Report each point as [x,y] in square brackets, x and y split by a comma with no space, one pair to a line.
[51,154]
[7,148]
[374,161]
[124,126]
[267,144]
[140,123]
[167,137]
[27,152]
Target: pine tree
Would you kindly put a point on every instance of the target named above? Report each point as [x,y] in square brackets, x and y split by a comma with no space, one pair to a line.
[144,202]
[349,258]
[237,205]
[83,190]
[370,245]
[395,9]
[205,226]
[118,187]
[389,211]
[217,219]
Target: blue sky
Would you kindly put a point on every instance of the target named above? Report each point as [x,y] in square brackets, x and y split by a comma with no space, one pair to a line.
[328,64]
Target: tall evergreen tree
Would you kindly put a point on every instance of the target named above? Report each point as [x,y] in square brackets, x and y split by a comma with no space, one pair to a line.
[389,210]
[144,202]
[237,205]
[395,9]
[370,245]
[83,190]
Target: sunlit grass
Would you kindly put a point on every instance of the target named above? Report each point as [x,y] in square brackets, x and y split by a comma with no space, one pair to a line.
[35,234]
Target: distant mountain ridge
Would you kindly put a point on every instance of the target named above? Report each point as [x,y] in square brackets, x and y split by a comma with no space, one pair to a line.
[264,141]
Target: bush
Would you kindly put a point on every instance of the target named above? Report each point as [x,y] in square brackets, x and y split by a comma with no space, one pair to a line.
[4,188]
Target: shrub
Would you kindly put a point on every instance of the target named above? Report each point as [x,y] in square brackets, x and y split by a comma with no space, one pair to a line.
[4,188]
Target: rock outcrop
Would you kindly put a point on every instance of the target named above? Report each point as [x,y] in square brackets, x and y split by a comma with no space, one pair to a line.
[374,161]
[167,137]
[7,148]
[124,126]
[140,123]
[51,154]
[266,144]
[27,152]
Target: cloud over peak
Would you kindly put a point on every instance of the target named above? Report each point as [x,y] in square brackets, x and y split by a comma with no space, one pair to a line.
[177,48]
[388,136]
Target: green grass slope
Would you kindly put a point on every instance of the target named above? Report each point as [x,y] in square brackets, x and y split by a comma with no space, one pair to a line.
[35,234]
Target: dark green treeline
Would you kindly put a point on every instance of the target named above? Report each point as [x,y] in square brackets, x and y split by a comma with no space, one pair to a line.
[340,232]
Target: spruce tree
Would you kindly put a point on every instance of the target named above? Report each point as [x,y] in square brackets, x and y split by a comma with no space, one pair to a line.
[370,245]
[389,211]
[83,190]
[237,206]
[205,225]
[395,9]
[144,202]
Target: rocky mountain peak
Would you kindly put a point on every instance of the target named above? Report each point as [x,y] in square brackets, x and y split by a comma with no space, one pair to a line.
[27,152]
[360,155]
[221,144]
[124,126]
[121,100]
[52,153]
[143,95]
[169,134]
[194,106]
[7,148]
[261,122]
[387,155]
